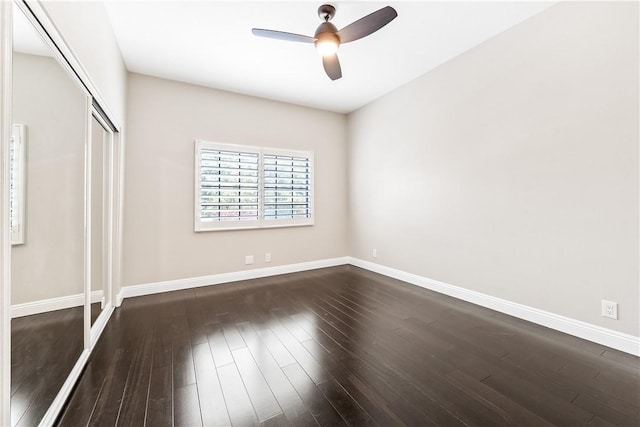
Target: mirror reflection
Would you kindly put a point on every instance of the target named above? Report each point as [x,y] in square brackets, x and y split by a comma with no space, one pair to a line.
[100,166]
[47,210]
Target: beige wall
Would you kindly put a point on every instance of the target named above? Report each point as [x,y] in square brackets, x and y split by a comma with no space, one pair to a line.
[512,170]
[51,262]
[164,119]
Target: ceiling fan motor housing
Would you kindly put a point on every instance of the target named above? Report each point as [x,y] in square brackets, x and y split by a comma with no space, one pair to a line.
[326,32]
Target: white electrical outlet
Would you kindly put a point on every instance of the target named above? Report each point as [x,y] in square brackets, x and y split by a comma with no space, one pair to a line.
[248,259]
[610,309]
[267,257]
[375,253]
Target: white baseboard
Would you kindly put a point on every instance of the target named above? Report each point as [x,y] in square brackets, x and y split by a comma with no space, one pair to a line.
[610,338]
[119,298]
[52,304]
[216,279]
[97,296]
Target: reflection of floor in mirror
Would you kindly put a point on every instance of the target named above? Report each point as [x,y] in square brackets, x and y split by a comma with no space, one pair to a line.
[95,311]
[342,346]
[44,348]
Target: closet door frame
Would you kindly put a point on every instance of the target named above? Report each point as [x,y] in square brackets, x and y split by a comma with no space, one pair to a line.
[6,65]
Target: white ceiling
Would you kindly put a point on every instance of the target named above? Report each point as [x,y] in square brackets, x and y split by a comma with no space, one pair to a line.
[209,43]
[25,38]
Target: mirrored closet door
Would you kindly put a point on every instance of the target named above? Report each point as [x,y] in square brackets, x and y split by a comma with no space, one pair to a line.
[48,254]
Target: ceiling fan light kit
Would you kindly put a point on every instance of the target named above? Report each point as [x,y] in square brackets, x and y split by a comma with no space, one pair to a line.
[327,43]
[328,38]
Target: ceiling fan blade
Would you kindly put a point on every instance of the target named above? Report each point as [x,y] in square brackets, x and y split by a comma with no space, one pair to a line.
[331,65]
[281,35]
[367,25]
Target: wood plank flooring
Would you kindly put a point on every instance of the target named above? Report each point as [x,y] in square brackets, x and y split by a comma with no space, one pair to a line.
[342,346]
[44,349]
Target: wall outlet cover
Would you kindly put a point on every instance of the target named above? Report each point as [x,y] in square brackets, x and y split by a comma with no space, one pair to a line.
[610,309]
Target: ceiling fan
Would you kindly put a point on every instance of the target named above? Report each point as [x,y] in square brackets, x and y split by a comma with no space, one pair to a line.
[327,38]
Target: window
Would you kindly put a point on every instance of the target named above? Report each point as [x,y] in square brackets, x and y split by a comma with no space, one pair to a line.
[239,187]
[16,183]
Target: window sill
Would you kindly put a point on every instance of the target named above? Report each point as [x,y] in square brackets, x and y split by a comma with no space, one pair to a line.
[254,225]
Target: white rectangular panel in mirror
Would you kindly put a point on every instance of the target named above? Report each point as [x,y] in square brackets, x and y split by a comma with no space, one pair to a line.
[17,183]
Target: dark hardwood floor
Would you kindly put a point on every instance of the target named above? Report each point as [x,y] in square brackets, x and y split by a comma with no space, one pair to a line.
[44,349]
[96,309]
[342,346]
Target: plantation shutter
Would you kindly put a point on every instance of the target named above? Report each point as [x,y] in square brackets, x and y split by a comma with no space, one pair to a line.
[287,187]
[16,183]
[229,183]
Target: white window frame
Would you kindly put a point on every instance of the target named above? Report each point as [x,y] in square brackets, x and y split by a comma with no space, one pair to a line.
[18,163]
[261,222]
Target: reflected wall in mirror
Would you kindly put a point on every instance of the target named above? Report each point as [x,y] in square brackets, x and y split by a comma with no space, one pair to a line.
[47,278]
[100,167]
